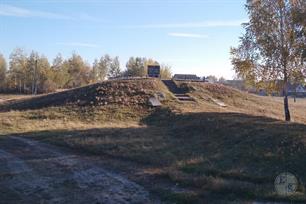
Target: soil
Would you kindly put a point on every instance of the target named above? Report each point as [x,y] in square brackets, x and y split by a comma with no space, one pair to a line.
[34,172]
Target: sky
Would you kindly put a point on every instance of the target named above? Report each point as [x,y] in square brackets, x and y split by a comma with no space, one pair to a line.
[192,36]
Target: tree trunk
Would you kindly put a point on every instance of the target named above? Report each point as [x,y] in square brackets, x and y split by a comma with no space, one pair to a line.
[286,104]
[32,89]
[284,59]
[295,94]
[35,78]
[20,84]
[35,92]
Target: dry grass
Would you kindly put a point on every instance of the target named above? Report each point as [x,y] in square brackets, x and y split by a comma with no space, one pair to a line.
[242,102]
[69,118]
[131,93]
[11,97]
[233,153]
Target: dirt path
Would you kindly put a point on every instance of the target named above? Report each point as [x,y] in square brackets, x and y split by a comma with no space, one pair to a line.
[33,172]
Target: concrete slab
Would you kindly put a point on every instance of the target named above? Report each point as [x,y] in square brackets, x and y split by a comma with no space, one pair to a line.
[218,102]
[154,102]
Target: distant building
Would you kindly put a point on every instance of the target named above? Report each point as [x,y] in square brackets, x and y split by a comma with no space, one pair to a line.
[297,90]
[293,90]
[237,84]
[186,77]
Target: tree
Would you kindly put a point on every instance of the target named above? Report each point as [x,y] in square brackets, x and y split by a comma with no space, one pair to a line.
[58,72]
[17,69]
[299,13]
[165,71]
[3,70]
[222,80]
[78,71]
[136,67]
[101,67]
[212,79]
[38,72]
[43,78]
[297,78]
[148,62]
[94,72]
[114,69]
[32,72]
[271,47]
[57,62]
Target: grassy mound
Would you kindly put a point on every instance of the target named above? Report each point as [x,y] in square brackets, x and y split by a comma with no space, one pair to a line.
[208,91]
[242,102]
[124,92]
[232,153]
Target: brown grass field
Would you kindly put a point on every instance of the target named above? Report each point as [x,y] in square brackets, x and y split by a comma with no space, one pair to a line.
[211,154]
[10,97]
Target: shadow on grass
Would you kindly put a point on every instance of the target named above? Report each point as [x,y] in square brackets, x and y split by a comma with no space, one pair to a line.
[85,93]
[233,155]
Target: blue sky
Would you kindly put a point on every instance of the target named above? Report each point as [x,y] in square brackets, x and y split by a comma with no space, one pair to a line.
[193,36]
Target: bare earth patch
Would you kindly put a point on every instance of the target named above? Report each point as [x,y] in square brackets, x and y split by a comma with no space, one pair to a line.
[32,172]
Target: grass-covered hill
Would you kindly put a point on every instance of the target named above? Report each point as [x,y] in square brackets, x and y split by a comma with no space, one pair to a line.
[206,94]
[210,153]
[123,93]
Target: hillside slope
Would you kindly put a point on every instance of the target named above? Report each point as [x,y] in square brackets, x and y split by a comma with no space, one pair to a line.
[122,92]
[207,94]
[184,152]
[135,93]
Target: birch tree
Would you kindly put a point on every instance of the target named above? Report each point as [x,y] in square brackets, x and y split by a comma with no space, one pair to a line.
[114,69]
[136,67]
[271,48]
[3,70]
[17,69]
[165,71]
[101,67]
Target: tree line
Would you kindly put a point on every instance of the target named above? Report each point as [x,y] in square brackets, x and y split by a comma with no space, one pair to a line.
[34,74]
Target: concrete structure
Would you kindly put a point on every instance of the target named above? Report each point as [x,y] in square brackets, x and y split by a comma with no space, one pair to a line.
[297,90]
[154,71]
[186,77]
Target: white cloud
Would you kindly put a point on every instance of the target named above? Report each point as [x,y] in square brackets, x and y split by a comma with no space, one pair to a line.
[87,17]
[8,10]
[187,35]
[13,11]
[204,24]
[78,44]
